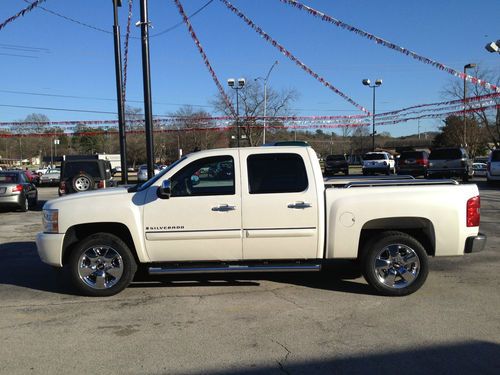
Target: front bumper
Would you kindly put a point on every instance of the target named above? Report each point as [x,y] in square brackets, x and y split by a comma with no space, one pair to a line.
[50,246]
[475,244]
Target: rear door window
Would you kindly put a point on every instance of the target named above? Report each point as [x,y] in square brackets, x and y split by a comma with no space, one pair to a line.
[495,155]
[276,173]
[446,153]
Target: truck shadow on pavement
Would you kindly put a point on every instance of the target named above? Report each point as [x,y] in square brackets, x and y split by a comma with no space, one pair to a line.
[21,266]
[469,357]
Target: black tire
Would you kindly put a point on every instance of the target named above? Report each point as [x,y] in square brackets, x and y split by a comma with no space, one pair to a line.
[34,201]
[391,255]
[82,182]
[465,178]
[23,203]
[388,171]
[346,172]
[101,265]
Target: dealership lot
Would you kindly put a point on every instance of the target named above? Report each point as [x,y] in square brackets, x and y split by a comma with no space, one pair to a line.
[302,323]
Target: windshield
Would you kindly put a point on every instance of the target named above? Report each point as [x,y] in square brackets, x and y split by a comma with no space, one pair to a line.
[375,157]
[150,182]
[446,154]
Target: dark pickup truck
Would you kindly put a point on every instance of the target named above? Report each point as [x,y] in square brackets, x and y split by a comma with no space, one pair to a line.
[335,164]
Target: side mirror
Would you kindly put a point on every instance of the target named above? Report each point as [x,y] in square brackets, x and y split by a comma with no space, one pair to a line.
[164,190]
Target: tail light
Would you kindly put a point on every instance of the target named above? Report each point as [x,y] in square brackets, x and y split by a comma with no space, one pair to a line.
[62,187]
[421,161]
[473,211]
[100,184]
[17,188]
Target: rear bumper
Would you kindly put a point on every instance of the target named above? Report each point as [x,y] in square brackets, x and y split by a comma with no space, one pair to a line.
[475,244]
[10,200]
[419,171]
[492,177]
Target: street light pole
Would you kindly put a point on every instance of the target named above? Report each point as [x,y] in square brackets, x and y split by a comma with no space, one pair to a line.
[119,93]
[378,82]
[241,83]
[468,66]
[146,82]
[265,98]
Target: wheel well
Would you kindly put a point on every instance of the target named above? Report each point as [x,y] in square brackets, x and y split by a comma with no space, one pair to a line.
[419,228]
[78,232]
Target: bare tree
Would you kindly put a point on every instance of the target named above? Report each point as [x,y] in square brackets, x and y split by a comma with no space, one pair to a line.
[487,119]
[251,103]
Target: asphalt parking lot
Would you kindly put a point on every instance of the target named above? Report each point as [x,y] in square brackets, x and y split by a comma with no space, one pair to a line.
[292,324]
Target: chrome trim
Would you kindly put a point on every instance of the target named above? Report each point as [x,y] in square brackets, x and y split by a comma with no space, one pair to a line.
[232,269]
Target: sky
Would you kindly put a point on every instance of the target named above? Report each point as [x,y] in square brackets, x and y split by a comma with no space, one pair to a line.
[48,61]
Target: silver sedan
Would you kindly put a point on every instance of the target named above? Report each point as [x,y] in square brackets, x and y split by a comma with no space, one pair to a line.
[16,191]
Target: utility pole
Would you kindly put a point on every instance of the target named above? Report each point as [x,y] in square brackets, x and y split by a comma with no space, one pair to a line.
[119,93]
[146,82]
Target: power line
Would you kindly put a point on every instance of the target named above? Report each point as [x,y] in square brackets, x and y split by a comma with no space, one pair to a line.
[95,28]
[14,55]
[96,98]
[4,45]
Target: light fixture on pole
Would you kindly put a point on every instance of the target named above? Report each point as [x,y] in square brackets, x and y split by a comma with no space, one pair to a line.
[378,82]
[265,98]
[237,85]
[468,66]
[493,47]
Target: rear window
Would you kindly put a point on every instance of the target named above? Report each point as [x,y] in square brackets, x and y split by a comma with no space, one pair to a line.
[74,168]
[495,155]
[375,157]
[335,158]
[412,155]
[9,177]
[276,173]
[446,153]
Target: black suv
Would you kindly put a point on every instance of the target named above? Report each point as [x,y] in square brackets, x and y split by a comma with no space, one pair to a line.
[414,163]
[85,173]
[450,162]
[334,164]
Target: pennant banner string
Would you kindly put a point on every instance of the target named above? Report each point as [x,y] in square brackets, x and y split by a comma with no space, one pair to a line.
[21,13]
[288,54]
[125,57]
[393,46]
[204,56]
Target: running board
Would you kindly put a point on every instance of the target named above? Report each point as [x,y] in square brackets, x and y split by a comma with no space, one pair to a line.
[234,269]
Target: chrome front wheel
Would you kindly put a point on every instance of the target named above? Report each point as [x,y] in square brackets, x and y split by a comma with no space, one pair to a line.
[101,265]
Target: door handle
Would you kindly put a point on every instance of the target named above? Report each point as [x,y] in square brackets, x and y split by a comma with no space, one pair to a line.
[299,205]
[223,208]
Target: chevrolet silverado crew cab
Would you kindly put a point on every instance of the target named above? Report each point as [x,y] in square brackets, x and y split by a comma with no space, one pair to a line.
[269,211]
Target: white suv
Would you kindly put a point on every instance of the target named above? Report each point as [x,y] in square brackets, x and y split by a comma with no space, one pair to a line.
[493,173]
[378,162]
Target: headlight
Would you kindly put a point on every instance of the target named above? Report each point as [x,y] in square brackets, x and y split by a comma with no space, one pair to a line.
[51,221]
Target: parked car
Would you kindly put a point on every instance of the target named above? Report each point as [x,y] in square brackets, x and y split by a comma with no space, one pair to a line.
[493,174]
[51,178]
[414,163]
[142,173]
[480,169]
[32,177]
[378,162]
[335,164]
[450,162]
[17,191]
[80,175]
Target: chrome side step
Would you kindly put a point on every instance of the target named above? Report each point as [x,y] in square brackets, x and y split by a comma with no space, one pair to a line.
[234,269]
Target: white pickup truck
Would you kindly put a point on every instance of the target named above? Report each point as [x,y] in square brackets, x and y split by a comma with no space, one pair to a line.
[258,209]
